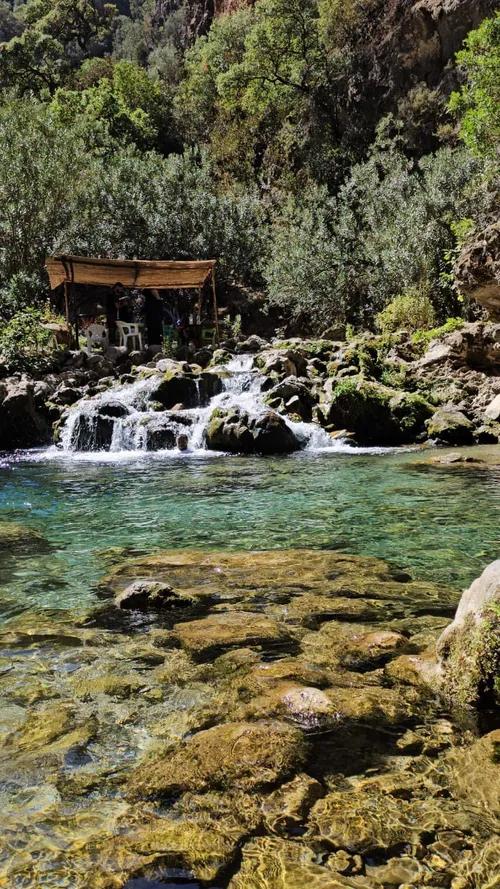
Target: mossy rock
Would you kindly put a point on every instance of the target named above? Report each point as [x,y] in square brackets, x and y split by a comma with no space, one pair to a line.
[451,427]
[241,755]
[469,649]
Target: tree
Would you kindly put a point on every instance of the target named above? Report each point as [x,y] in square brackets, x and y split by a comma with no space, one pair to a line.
[134,107]
[58,35]
[477,105]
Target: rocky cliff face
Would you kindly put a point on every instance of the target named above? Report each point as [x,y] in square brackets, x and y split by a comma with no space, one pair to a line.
[405,42]
[478,269]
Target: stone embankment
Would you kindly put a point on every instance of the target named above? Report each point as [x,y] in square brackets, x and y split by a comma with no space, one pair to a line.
[375,390]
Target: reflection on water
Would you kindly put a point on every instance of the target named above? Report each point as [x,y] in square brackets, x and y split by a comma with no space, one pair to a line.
[440,523]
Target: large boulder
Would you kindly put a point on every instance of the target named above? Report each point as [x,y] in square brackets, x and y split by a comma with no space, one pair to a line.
[21,424]
[469,649]
[93,428]
[375,414]
[175,388]
[236,431]
[478,269]
[240,755]
[450,426]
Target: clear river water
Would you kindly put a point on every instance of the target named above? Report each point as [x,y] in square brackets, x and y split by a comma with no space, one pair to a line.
[441,523]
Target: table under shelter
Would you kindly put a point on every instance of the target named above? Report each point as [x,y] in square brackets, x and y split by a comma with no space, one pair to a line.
[163,275]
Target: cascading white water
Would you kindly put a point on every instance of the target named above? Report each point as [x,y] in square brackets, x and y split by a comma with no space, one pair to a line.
[122,419]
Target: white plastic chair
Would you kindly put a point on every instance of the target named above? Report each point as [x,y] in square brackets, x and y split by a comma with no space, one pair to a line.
[129,331]
[95,333]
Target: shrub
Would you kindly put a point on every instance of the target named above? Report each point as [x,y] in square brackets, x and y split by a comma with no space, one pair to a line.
[411,311]
[24,342]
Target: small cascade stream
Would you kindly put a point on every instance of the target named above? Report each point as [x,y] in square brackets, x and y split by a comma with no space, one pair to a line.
[127,418]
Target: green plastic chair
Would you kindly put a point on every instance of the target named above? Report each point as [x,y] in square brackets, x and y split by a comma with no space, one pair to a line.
[208,336]
[170,335]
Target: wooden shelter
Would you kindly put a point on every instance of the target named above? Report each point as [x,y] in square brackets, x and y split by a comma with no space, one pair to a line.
[140,273]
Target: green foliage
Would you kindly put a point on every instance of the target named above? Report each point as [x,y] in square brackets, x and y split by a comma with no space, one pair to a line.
[344,258]
[412,311]
[23,342]
[133,107]
[57,36]
[477,105]
[424,337]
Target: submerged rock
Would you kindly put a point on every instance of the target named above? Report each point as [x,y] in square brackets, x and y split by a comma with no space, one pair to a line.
[14,537]
[469,649]
[243,755]
[234,628]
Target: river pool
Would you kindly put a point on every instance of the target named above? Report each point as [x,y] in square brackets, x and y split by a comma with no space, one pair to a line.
[438,522]
[317,759]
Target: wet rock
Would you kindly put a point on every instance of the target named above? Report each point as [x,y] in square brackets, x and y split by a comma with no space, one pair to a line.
[173,388]
[352,647]
[148,595]
[242,755]
[159,434]
[235,431]
[231,629]
[450,426]
[93,430]
[414,669]
[287,808]
[272,435]
[21,424]
[469,649]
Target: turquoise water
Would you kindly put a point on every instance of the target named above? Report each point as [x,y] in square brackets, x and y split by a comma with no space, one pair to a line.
[441,523]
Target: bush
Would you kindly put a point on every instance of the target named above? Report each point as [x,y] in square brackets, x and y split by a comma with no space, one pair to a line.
[24,342]
[411,311]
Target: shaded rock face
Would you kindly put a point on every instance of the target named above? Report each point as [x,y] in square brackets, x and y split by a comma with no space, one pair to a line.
[94,431]
[22,424]
[478,269]
[235,431]
[450,427]
[377,415]
[469,649]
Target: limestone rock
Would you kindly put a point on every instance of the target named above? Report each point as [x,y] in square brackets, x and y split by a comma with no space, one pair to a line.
[231,629]
[14,537]
[149,595]
[476,773]
[469,649]
[493,409]
[235,431]
[450,426]
[478,269]
[360,822]
[242,755]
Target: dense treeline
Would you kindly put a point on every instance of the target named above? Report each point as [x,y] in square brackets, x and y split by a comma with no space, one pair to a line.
[257,143]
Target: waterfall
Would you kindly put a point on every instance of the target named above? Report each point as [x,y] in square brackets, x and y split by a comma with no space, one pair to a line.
[126,418]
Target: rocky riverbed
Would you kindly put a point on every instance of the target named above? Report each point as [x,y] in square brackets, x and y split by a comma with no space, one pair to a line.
[372,390]
[245,720]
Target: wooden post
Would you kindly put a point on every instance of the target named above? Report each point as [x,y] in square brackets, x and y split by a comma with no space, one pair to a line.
[216,314]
